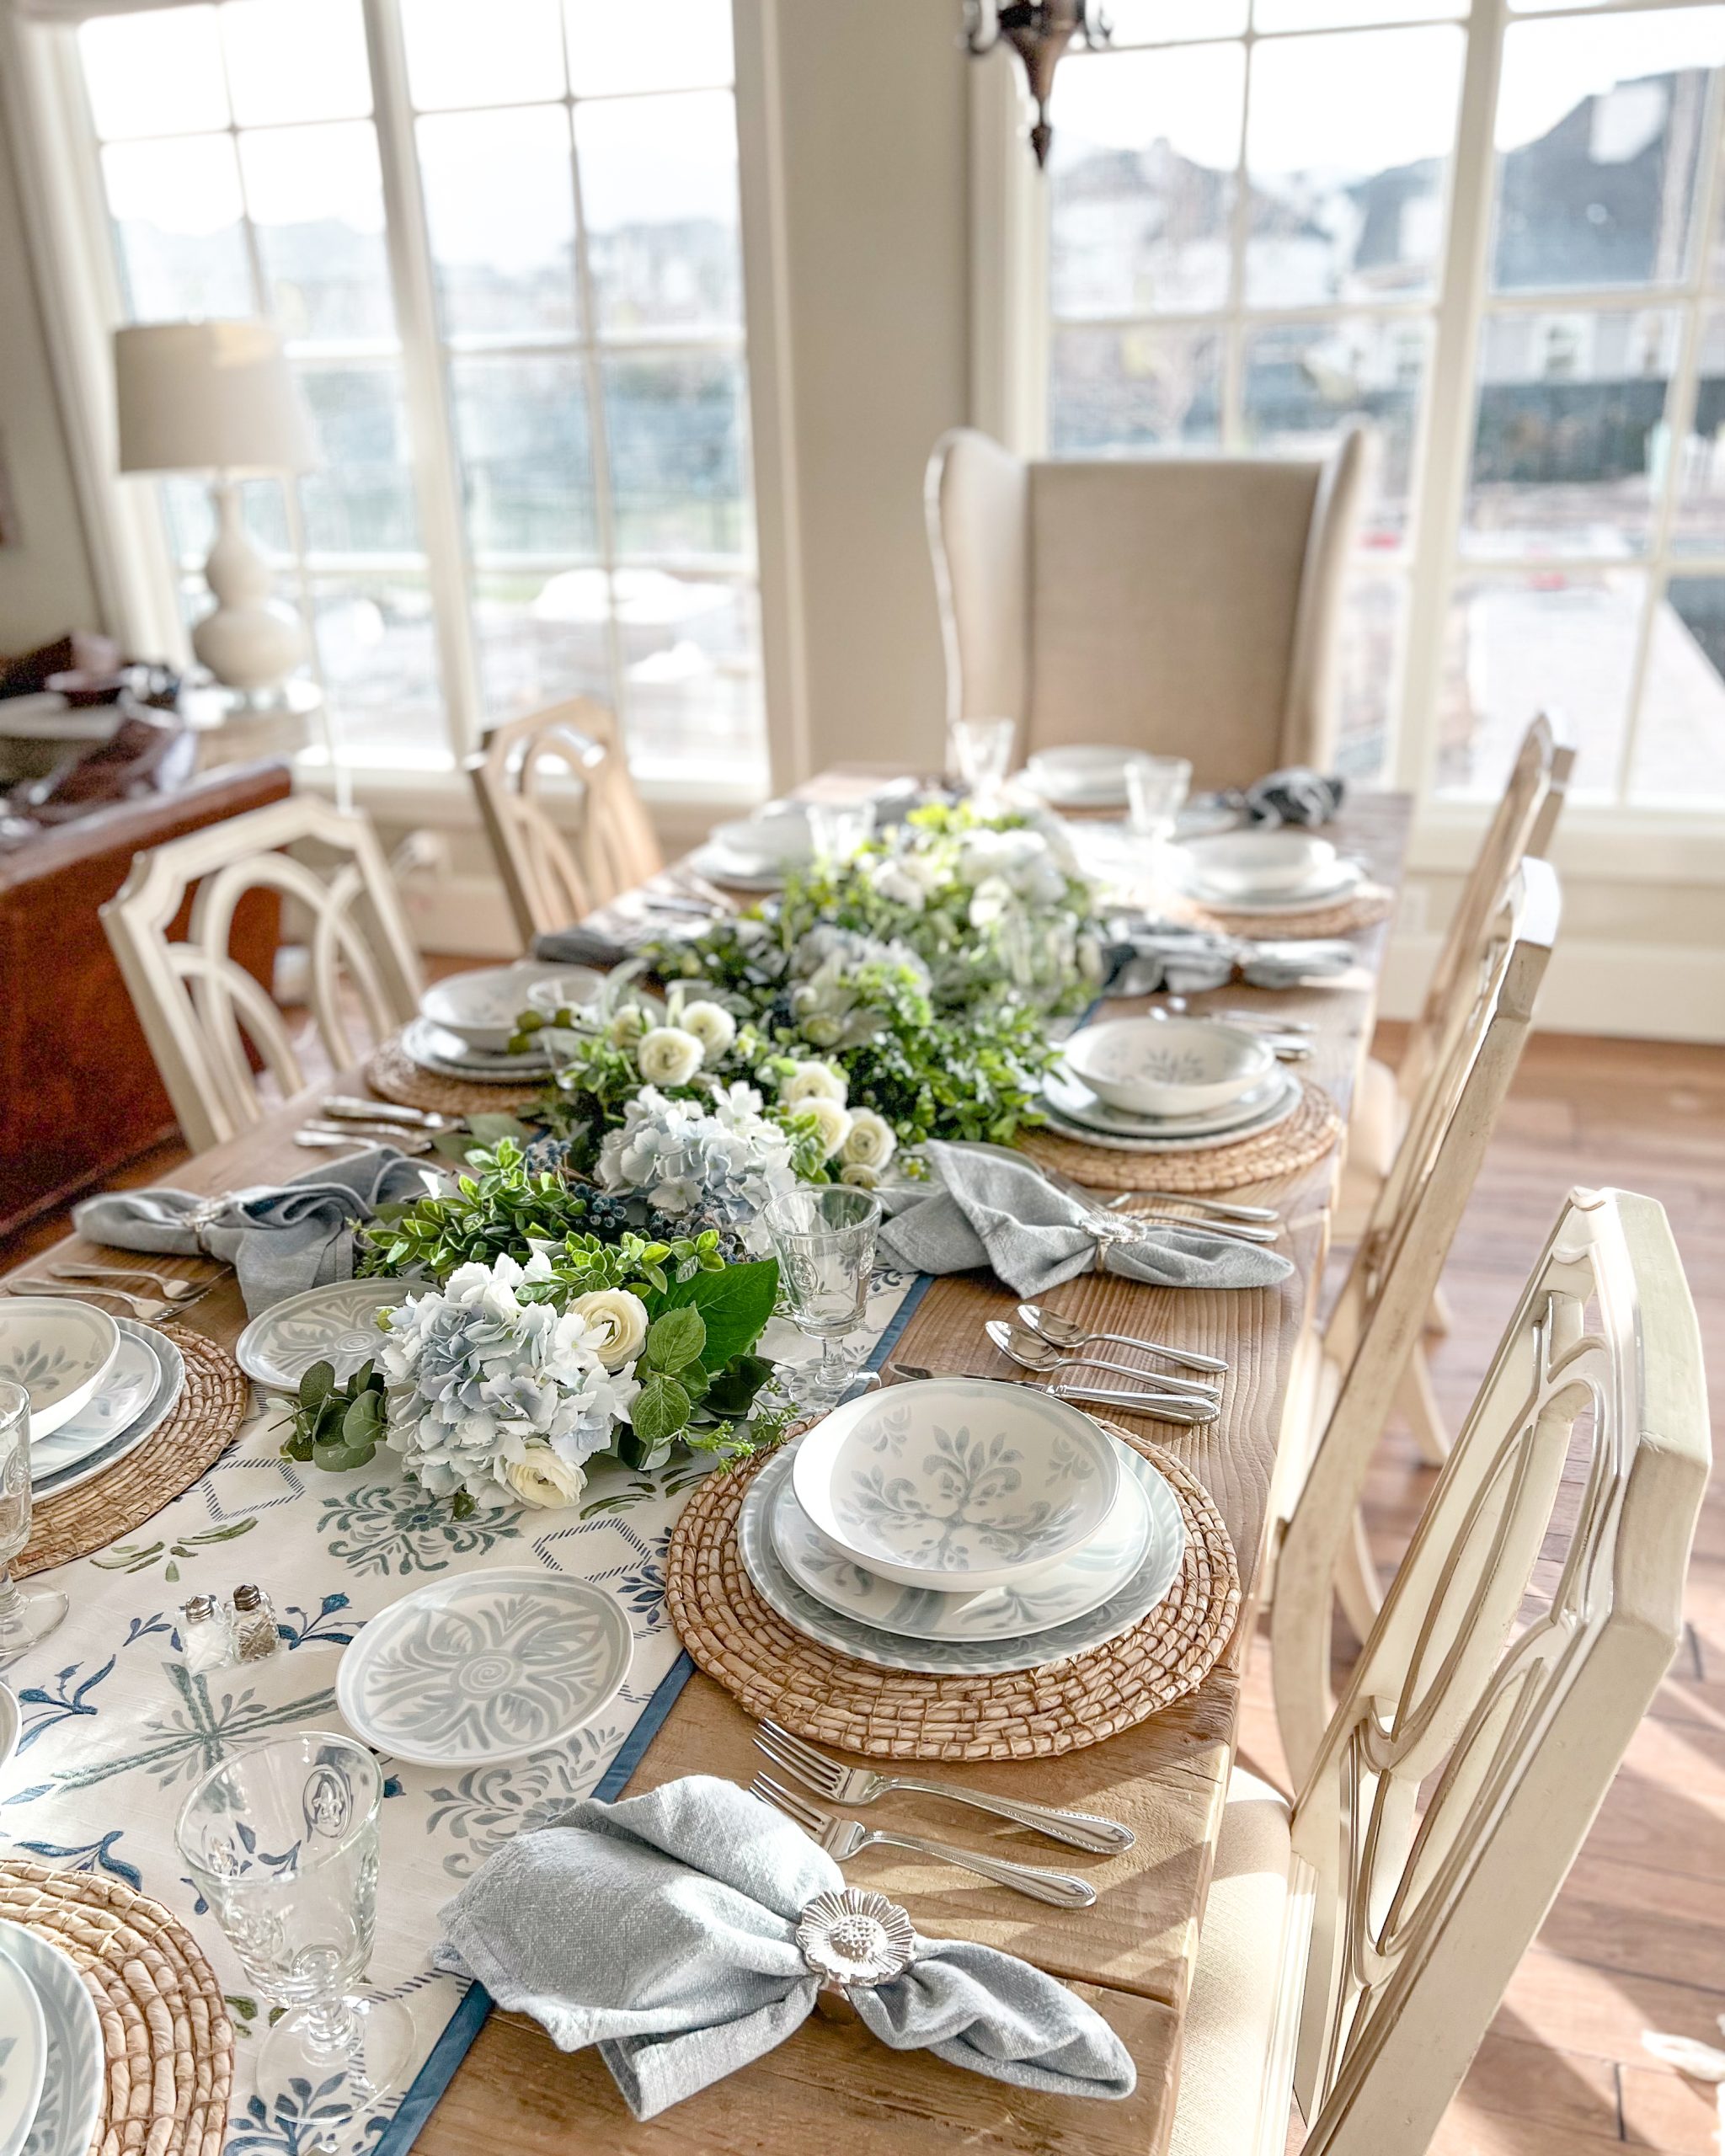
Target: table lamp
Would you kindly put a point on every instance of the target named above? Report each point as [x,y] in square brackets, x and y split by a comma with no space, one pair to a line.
[219,398]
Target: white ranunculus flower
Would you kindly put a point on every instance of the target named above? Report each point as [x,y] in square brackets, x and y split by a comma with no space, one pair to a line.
[871,1141]
[668,1056]
[893,880]
[814,1081]
[712,1024]
[991,898]
[859,1175]
[627,1026]
[832,1123]
[619,1320]
[540,1478]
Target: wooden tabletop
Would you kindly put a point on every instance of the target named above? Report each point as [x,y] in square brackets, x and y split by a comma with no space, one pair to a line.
[832,2085]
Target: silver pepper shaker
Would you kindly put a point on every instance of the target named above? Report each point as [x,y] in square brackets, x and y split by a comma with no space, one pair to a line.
[203,1637]
[254,1635]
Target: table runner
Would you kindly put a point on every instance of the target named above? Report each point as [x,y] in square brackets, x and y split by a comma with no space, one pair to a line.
[115,1730]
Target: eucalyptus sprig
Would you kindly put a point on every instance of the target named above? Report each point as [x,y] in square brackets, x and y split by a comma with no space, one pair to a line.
[337,1426]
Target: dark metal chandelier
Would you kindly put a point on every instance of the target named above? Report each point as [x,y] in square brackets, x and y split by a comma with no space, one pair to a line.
[1038,31]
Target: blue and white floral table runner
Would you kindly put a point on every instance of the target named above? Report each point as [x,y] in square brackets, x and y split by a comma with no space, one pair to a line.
[115,1730]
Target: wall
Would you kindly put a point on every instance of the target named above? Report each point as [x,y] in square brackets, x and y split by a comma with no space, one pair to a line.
[45,582]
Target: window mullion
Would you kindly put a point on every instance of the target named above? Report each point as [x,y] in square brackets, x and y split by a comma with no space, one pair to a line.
[436,488]
[1447,443]
[1239,237]
[598,441]
[1679,418]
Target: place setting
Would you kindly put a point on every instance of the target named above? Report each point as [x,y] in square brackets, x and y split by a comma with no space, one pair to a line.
[456,1057]
[1275,885]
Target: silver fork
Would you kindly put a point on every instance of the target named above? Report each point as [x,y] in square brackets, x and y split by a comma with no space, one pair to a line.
[176,1290]
[842,1838]
[843,1784]
[140,1306]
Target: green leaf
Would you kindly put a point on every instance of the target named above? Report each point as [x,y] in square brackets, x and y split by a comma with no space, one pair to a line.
[337,1458]
[734,1305]
[677,1337]
[360,1425]
[493,1129]
[733,1391]
[317,1384]
[661,1409]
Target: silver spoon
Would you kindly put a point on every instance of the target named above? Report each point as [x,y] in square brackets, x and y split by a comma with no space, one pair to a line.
[1165,1407]
[1267,1215]
[1066,1332]
[1031,1353]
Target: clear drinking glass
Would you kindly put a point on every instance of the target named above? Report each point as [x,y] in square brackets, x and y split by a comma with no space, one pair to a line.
[24,1619]
[1155,792]
[1040,958]
[281,1841]
[823,1236]
[838,831]
[982,751]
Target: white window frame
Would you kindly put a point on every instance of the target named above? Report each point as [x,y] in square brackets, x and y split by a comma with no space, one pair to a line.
[1610,841]
[68,229]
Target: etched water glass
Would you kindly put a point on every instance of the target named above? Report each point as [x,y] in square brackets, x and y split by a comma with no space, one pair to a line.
[982,755]
[1156,787]
[823,1236]
[281,1841]
[838,831]
[24,1619]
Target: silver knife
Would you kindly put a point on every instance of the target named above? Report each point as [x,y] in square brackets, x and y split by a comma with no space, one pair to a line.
[349,1109]
[1164,1407]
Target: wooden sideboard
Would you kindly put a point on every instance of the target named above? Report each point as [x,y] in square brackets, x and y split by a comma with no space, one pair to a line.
[79,1090]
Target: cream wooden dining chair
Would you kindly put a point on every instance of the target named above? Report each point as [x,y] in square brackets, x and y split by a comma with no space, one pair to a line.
[1385,1100]
[201,1010]
[1185,605]
[556,867]
[1355,1947]
[1356,1373]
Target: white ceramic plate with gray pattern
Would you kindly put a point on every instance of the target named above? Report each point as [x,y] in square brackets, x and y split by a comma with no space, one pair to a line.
[24,2057]
[1066,1590]
[59,1350]
[491,1666]
[845,1636]
[118,1403]
[336,1324]
[72,2086]
[9,1724]
[435,1049]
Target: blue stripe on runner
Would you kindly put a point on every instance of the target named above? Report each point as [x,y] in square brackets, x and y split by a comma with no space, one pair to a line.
[464,2025]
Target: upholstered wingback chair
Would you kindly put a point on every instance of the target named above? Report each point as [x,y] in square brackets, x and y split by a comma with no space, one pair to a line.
[1188,606]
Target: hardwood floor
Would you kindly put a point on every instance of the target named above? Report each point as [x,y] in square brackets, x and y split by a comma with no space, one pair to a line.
[1636,1939]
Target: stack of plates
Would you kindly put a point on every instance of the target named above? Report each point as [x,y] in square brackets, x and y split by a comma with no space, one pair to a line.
[1072,1108]
[932,1465]
[1268,873]
[434,1048]
[481,1008]
[53,2070]
[98,1385]
[755,853]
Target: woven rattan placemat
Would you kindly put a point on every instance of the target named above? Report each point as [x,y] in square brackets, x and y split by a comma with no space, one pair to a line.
[1369,904]
[197,1433]
[165,2030]
[889,1713]
[1306,1136]
[393,1075]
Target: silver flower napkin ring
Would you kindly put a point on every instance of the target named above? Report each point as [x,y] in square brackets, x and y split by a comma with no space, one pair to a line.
[204,1216]
[854,1939]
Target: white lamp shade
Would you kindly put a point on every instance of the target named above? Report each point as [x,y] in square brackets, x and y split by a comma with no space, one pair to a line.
[208,397]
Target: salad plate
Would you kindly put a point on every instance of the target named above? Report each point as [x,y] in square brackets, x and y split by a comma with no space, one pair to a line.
[74,2081]
[59,1350]
[485,1668]
[24,2057]
[1089,1576]
[1069,1097]
[480,1009]
[334,1324]
[807,1614]
[1117,1139]
[143,1388]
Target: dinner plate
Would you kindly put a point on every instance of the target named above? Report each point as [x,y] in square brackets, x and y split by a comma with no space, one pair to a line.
[131,1379]
[1070,1097]
[1346,880]
[1077,1583]
[53,1470]
[75,2079]
[333,1324]
[480,1008]
[59,1350]
[435,1049]
[488,1667]
[807,1614]
[24,2056]
[1089,1134]
[741,872]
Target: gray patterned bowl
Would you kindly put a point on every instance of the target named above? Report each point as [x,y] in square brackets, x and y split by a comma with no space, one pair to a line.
[59,1350]
[957,1483]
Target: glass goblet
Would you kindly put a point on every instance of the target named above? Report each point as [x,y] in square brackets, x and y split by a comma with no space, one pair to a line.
[982,751]
[1156,787]
[823,1236]
[24,1619]
[282,1840]
[838,831]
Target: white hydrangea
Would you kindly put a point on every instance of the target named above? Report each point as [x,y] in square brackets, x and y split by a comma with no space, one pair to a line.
[712,1166]
[502,1398]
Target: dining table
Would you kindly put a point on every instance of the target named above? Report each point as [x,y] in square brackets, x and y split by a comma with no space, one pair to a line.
[499,2084]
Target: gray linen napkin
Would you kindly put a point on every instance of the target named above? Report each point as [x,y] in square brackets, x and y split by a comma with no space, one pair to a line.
[662,1929]
[278,1238]
[1145,956]
[580,946]
[995,1208]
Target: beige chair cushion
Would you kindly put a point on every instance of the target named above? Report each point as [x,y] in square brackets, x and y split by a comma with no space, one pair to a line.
[1231,2012]
[1374,1128]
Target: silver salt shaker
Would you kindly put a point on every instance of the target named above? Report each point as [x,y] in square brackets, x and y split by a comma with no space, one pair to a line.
[203,1637]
